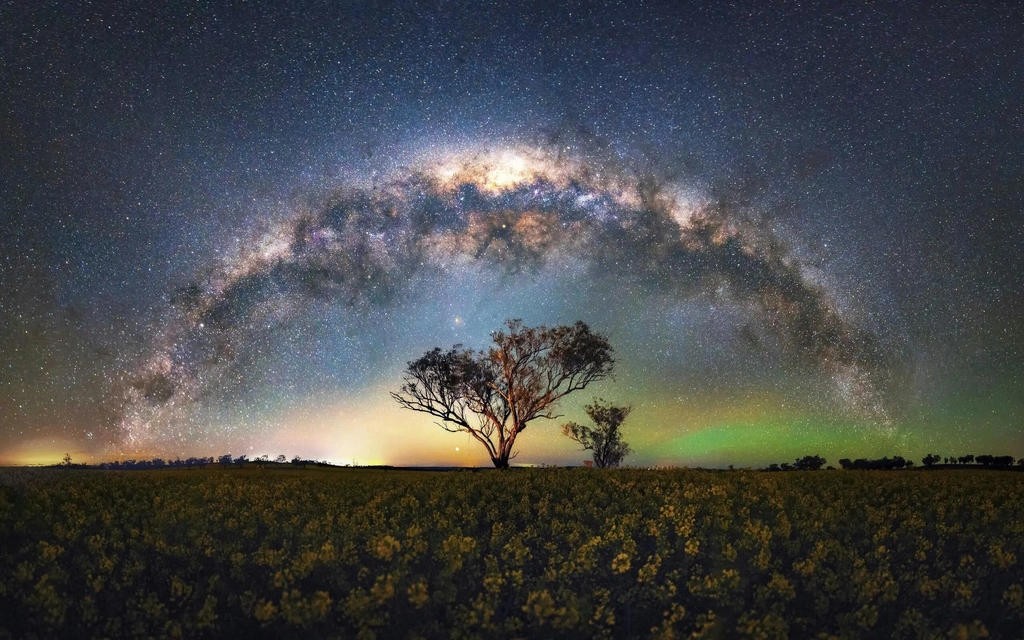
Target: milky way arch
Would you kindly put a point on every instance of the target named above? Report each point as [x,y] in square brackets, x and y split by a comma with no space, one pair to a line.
[515,210]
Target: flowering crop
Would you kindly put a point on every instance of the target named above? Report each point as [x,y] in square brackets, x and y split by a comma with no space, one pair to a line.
[531,553]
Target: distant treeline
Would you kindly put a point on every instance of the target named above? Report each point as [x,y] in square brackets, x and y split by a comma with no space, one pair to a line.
[806,463]
[984,460]
[895,462]
[226,461]
[814,463]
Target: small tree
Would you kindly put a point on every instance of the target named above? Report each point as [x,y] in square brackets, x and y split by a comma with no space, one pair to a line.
[67,460]
[493,395]
[930,459]
[809,463]
[604,440]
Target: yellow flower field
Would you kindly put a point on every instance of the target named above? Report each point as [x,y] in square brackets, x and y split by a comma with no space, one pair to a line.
[544,553]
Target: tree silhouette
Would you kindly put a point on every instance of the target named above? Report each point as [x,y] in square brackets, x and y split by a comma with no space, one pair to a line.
[809,463]
[493,395]
[885,463]
[604,440]
[998,461]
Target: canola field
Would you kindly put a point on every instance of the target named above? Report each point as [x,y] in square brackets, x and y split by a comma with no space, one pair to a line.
[545,553]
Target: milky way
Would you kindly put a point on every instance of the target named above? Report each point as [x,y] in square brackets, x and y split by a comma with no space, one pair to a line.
[514,210]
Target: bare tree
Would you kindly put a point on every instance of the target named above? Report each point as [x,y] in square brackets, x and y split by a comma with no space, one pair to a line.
[604,440]
[492,395]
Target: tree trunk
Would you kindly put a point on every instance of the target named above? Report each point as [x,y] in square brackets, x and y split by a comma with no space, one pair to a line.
[505,451]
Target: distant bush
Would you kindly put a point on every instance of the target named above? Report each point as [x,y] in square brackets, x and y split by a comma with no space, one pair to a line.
[896,462]
[995,461]
[806,463]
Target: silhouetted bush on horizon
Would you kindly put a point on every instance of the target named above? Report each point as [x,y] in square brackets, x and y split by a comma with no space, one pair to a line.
[806,463]
[897,462]
[886,463]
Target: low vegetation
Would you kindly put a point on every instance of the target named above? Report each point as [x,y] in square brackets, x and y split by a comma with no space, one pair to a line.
[282,552]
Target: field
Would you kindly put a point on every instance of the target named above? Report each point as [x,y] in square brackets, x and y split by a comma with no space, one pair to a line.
[524,553]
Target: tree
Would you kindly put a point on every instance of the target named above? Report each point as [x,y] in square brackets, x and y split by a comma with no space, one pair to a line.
[886,463]
[493,395]
[930,459]
[604,440]
[281,459]
[809,463]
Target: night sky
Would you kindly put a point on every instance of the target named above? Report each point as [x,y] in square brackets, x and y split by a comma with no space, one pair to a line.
[227,227]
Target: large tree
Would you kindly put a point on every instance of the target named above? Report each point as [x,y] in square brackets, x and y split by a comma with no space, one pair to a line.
[604,439]
[492,395]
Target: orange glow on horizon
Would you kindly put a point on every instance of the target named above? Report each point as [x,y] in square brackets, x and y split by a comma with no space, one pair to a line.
[43,452]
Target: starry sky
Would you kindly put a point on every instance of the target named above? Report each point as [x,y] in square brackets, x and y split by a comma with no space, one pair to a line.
[226,227]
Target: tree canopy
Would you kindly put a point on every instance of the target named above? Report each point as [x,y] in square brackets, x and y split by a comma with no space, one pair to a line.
[604,439]
[492,395]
